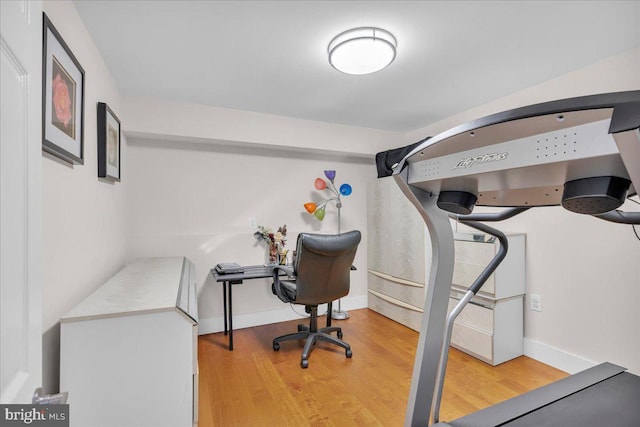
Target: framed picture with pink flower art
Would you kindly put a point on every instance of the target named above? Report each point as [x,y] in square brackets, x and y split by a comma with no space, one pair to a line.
[62,98]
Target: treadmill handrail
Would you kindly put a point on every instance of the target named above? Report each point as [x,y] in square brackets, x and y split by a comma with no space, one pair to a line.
[489,217]
[621,217]
[473,290]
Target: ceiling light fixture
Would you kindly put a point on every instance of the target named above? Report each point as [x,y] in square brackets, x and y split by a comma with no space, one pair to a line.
[362,50]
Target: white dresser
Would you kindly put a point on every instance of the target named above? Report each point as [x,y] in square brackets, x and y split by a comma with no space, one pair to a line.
[491,326]
[396,254]
[128,353]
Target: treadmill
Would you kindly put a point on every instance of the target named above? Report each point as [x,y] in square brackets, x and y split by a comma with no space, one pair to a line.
[581,153]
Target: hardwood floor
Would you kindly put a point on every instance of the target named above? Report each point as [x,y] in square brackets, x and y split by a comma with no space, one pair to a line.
[256,386]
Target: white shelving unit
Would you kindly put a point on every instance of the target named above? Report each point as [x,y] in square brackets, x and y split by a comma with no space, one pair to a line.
[128,353]
[491,326]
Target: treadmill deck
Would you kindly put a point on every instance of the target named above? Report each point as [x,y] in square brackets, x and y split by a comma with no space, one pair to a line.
[603,396]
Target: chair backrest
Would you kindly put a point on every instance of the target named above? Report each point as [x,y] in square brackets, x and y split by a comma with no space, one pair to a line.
[323,266]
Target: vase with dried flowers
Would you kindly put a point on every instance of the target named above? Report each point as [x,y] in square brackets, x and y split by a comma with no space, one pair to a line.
[275,241]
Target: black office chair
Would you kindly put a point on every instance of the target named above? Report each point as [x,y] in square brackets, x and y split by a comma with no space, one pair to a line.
[320,274]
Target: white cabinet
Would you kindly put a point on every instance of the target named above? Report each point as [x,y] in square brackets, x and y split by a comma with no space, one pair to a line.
[395,254]
[491,326]
[397,299]
[128,353]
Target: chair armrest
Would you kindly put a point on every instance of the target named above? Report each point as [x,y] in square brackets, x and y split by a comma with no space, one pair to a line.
[276,287]
[287,269]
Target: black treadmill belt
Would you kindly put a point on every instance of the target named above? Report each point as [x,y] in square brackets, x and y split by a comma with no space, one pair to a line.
[611,403]
[604,395]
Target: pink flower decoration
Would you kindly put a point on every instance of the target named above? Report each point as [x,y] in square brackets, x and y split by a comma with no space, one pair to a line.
[320,184]
[61,100]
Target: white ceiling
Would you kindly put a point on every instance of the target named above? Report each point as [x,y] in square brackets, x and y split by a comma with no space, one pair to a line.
[270,56]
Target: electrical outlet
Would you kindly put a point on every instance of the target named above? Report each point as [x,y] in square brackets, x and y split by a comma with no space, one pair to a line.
[535,302]
[253,223]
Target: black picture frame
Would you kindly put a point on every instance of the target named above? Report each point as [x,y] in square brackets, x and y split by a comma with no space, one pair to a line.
[109,138]
[62,98]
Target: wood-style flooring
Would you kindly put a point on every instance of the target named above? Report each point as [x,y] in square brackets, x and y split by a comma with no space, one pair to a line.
[256,386]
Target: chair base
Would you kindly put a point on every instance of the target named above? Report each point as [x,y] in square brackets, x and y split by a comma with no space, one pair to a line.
[311,335]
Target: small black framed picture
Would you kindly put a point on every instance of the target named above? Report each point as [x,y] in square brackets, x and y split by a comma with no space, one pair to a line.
[108,143]
[63,98]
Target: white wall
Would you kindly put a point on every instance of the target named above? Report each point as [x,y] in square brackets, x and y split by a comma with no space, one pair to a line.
[83,226]
[159,119]
[195,199]
[191,159]
[618,73]
[586,270]
[588,275]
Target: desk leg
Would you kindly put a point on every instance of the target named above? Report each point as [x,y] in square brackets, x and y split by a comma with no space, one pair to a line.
[224,304]
[230,318]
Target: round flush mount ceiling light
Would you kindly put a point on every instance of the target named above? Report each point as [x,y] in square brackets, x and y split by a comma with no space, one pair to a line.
[362,50]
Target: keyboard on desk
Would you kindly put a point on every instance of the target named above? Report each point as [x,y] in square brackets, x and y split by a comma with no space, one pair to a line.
[229,268]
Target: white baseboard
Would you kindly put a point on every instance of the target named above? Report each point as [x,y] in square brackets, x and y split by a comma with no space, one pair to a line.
[555,357]
[216,324]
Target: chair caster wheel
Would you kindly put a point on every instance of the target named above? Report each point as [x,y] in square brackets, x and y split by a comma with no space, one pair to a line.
[301,328]
[339,335]
[304,364]
[276,346]
[348,353]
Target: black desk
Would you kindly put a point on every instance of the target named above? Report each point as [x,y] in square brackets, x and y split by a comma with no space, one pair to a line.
[250,272]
